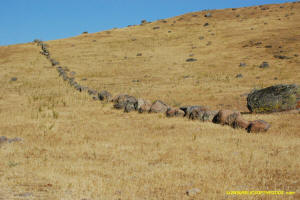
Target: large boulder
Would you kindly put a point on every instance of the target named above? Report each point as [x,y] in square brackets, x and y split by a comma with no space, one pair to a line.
[258,126]
[158,107]
[274,99]
[226,117]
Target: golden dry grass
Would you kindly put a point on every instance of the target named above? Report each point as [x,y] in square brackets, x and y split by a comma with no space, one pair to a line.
[76,148]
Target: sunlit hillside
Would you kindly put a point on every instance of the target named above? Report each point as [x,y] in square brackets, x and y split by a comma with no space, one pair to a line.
[74,147]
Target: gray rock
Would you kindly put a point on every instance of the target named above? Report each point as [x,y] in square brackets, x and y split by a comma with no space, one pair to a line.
[123,100]
[274,99]
[188,109]
[129,107]
[3,139]
[239,76]
[264,65]
[13,79]
[54,62]
[202,115]
[72,73]
[191,60]
[281,57]
[206,24]
[104,96]
[92,92]
[242,64]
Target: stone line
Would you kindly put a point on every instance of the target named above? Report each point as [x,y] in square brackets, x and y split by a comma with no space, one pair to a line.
[129,103]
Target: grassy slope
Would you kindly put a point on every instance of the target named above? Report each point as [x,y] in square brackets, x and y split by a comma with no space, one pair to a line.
[77,148]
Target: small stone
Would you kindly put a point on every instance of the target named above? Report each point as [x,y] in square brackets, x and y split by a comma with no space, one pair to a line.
[268,46]
[201,38]
[72,73]
[238,15]
[239,76]
[14,79]
[206,24]
[192,192]
[264,65]
[281,57]
[139,54]
[242,64]
[104,96]
[208,15]
[208,43]
[3,139]
[156,27]
[191,60]
[25,194]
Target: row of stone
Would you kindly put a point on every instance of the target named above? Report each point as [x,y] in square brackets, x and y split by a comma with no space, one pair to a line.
[129,103]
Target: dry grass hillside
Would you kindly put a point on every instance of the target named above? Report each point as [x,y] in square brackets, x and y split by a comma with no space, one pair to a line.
[76,148]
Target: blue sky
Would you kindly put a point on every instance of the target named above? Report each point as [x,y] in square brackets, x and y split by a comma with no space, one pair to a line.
[22,21]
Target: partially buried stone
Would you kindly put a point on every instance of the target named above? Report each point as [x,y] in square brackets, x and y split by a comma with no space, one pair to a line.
[258,126]
[191,60]
[264,65]
[104,96]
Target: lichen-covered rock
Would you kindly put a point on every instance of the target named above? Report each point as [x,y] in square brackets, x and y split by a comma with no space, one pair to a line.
[274,99]
[123,100]
[226,117]
[258,126]
[174,112]
[158,107]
